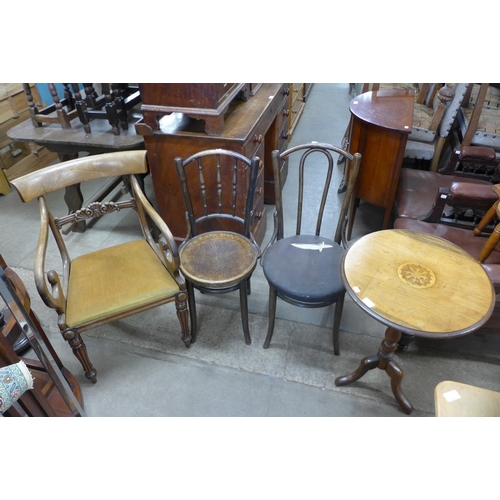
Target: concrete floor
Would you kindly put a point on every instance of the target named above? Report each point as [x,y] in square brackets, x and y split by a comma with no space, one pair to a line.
[145,370]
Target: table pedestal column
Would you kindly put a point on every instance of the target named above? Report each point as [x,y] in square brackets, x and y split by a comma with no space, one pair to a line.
[383,360]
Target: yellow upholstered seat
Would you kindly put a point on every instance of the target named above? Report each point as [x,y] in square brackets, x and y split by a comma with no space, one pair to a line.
[116,279]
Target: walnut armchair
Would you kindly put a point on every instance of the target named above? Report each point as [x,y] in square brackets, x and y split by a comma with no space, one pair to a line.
[112,281]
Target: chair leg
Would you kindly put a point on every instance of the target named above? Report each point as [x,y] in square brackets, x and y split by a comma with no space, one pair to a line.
[182,315]
[80,351]
[192,311]
[339,306]
[272,316]
[244,310]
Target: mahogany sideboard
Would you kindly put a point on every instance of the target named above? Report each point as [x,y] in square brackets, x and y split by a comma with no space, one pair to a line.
[380,124]
[252,127]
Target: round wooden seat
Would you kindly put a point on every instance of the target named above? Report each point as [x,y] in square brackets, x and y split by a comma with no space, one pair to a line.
[219,259]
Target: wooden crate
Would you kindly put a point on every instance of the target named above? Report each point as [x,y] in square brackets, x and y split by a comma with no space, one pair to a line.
[18,158]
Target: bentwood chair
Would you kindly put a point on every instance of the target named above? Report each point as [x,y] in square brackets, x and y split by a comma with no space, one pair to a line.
[219,252]
[304,269]
[110,281]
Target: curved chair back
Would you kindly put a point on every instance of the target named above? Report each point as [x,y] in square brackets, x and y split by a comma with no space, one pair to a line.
[218,187]
[311,157]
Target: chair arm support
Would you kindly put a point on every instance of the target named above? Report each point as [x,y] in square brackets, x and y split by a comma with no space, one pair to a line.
[436,212]
[470,195]
[461,196]
[478,154]
[470,156]
[167,251]
[54,298]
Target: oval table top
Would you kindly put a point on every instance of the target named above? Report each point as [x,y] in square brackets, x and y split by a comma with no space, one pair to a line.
[418,283]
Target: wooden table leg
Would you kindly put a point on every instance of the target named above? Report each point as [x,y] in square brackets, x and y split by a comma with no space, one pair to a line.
[383,360]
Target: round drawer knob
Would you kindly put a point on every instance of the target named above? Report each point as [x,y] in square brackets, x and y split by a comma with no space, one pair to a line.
[285,136]
[286,112]
[258,215]
[261,164]
[258,138]
[260,191]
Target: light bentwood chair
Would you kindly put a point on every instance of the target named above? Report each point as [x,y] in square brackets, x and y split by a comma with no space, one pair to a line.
[109,283]
[304,269]
[219,252]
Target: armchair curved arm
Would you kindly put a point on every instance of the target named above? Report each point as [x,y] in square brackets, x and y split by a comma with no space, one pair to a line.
[167,250]
[54,298]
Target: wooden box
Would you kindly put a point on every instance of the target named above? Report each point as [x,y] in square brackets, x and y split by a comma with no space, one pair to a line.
[201,101]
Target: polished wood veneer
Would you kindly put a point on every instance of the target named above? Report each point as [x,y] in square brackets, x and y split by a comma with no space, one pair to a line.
[380,125]
[252,128]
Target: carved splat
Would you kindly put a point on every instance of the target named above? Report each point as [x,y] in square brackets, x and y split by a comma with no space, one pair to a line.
[95,209]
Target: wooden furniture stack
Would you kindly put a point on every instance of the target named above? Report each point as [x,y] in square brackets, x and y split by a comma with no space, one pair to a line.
[180,120]
[297,101]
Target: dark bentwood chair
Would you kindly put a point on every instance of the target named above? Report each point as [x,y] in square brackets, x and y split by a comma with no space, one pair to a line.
[304,269]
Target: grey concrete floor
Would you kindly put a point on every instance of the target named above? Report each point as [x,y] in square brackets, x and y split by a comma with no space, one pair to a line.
[145,370]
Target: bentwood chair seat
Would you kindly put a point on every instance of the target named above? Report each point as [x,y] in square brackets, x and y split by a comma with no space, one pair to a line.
[115,279]
[304,268]
[218,260]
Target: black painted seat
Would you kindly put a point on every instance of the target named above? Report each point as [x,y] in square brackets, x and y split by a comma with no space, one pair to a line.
[304,269]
